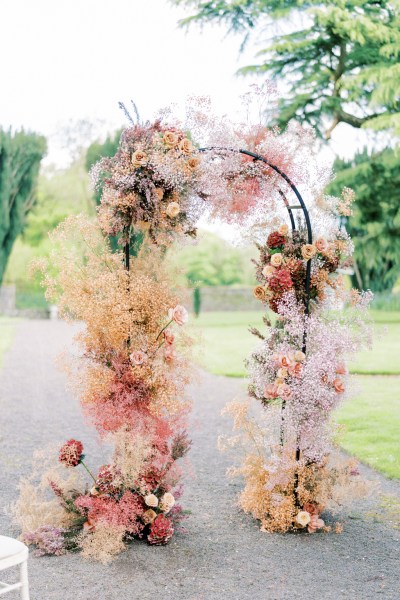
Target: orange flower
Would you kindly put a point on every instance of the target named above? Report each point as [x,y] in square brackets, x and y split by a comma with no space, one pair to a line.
[341,369]
[139,158]
[186,146]
[308,251]
[170,139]
[338,385]
[259,292]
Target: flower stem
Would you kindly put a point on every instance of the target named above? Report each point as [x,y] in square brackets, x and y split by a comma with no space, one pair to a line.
[163,329]
[88,470]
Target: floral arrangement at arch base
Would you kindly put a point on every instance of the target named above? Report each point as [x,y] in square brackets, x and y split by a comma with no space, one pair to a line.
[293,469]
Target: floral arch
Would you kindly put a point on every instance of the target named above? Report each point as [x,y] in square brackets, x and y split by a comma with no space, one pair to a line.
[135,365]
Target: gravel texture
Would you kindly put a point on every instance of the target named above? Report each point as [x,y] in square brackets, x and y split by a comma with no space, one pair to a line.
[223,556]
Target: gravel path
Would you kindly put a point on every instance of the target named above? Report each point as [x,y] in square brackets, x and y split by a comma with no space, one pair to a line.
[224,555]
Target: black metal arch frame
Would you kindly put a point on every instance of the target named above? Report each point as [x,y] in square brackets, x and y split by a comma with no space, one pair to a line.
[301,206]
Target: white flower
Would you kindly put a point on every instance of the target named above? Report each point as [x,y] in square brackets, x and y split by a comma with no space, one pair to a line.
[173,209]
[303,518]
[167,502]
[151,500]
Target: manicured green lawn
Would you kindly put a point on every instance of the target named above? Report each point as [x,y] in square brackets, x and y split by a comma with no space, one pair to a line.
[227,342]
[7,328]
[372,419]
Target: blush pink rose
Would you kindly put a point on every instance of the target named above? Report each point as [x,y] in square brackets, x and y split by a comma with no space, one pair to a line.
[271,391]
[284,391]
[315,523]
[321,245]
[179,314]
[138,357]
[169,337]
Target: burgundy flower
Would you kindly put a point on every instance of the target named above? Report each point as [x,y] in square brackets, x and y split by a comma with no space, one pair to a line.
[280,281]
[161,531]
[105,480]
[71,453]
[275,240]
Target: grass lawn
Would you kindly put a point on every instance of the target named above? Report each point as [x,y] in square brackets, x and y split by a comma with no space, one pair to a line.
[372,419]
[7,328]
[226,342]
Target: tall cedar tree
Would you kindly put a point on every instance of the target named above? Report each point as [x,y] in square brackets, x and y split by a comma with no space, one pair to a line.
[20,156]
[339,58]
[376,221]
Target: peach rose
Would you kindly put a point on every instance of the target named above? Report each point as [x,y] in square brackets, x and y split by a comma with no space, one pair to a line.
[271,391]
[338,385]
[173,209]
[341,369]
[308,251]
[148,516]
[139,158]
[303,518]
[268,271]
[151,500]
[179,314]
[259,292]
[193,163]
[282,373]
[299,356]
[283,229]
[276,259]
[138,357]
[186,146]
[159,192]
[170,139]
[321,245]
[168,337]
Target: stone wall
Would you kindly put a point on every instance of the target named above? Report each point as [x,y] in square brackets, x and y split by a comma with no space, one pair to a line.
[225,298]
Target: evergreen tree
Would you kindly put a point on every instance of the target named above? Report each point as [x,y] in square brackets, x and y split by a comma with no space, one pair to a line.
[375,224]
[339,58]
[20,156]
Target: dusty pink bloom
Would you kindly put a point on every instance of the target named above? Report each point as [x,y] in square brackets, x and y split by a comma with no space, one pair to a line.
[271,391]
[169,337]
[321,245]
[341,369]
[179,314]
[71,453]
[315,523]
[169,353]
[284,391]
[138,357]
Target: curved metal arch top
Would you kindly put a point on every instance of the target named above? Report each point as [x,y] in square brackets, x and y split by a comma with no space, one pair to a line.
[259,157]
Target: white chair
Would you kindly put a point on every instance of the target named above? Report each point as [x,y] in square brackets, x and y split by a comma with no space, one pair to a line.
[12,553]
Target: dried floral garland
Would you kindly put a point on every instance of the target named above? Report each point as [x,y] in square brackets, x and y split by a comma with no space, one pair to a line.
[133,370]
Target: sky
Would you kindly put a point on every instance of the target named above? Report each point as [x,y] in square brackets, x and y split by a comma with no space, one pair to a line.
[72,60]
